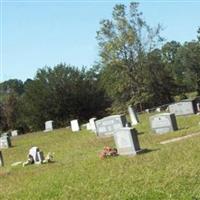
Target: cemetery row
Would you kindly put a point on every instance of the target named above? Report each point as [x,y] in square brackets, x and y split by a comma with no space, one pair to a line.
[117,126]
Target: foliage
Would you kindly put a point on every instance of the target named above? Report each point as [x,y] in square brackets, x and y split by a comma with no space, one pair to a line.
[61,94]
[125,44]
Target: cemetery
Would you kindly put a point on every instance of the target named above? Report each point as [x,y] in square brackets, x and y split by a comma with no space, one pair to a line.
[79,155]
[98,101]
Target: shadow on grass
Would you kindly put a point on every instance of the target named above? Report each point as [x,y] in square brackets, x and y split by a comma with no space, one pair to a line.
[142,151]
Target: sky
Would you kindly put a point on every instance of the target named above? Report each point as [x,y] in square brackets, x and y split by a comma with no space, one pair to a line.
[42,33]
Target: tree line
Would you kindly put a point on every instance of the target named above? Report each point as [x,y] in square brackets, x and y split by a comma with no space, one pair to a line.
[136,66]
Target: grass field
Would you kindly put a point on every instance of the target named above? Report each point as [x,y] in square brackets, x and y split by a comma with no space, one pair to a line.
[167,172]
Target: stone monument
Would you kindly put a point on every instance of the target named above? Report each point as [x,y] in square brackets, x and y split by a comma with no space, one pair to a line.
[163,123]
[14,133]
[107,125]
[74,125]
[48,126]
[133,116]
[92,124]
[126,141]
[5,142]
[1,160]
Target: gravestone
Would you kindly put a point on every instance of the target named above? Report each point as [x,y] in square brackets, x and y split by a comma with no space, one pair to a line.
[88,126]
[182,108]
[133,116]
[37,155]
[107,125]
[14,133]
[92,124]
[74,125]
[1,160]
[126,141]
[40,157]
[163,123]
[5,142]
[158,109]
[48,126]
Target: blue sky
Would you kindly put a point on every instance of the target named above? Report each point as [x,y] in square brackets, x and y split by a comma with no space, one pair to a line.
[39,33]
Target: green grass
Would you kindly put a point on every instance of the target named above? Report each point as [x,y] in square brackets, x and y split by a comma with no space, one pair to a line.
[166,172]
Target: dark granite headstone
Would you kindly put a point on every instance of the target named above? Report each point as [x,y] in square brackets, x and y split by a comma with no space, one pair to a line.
[1,160]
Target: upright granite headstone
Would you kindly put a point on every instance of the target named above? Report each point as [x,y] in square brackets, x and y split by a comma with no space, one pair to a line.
[107,125]
[92,124]
[184,107]
[163,123]
[126,141]
[14,133]
[48,126]
[1,160]
[74,125]
[5,142]
[133,116]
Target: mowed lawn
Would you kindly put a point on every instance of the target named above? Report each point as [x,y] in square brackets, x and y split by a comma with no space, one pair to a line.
[167,172]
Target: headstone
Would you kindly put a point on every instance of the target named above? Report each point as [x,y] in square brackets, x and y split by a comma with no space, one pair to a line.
[48,126]
[39,158]
[5,142]
[126,141]
[182,108]
[1,160]
[163,123]
[92,124]
[37,155]
[158,109]
[88,126]
[14,133]
[147,110]
[133,116]
[107,125]
[74,125]
[198,107]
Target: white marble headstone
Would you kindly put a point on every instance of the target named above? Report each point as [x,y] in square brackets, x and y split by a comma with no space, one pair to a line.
[133,116]
[74,125]
[14,133]
[48,126]
[92,124]
[88,126]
